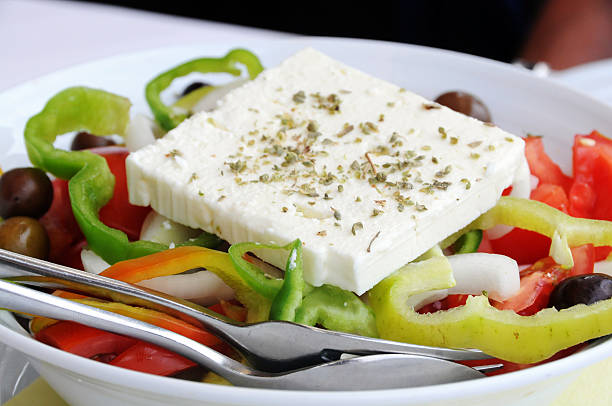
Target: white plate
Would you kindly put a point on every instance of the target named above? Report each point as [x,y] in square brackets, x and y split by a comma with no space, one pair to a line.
[594,78]
[519,102]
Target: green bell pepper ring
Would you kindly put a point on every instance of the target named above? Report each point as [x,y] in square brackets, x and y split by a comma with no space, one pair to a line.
[91,183]
[295,300]
[261,283]
[500,333]
[166,116]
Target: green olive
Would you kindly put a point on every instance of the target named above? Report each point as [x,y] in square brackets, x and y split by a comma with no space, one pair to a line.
[24,235]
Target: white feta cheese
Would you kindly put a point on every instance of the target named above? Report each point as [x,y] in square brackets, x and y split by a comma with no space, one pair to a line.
[368,175]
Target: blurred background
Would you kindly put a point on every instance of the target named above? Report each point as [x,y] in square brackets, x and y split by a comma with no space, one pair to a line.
[41,36]
[561,32]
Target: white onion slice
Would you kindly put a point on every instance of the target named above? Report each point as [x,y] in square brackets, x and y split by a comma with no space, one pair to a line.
[141,131]
[202,287]
[161,229]
[521,187]
[474,273]
[210,101]
[498,275]
[92,262]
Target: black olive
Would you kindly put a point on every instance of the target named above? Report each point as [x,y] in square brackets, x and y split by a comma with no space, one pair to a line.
[193,86]
[85,140]
[466,103]
[25,192]
[24,235]
[586,289]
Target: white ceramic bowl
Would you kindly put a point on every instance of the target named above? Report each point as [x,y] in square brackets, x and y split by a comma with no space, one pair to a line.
[519,102]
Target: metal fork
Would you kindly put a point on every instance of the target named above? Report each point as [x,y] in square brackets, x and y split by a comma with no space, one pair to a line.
[272,346]
[358,373]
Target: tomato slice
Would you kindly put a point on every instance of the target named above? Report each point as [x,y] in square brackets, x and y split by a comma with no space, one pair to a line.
[542,167]
[63,231]
[602,187]
[113,348]
[591,160]
[151,359]
[83,340]
[552,195]
[447,303]
[584,260]
[538,281]
[118,212]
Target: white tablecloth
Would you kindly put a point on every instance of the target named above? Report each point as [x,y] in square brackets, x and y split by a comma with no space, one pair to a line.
[42,36]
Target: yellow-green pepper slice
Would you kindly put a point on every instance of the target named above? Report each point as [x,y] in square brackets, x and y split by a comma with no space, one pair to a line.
[500,333]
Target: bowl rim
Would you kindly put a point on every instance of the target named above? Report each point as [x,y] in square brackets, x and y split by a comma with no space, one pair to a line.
[17,338]
[219,393]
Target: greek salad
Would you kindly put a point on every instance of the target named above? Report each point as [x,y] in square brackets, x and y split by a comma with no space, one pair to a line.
[528,281]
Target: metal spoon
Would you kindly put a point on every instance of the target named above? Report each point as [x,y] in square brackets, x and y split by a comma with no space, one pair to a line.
[382,371]
[269,346]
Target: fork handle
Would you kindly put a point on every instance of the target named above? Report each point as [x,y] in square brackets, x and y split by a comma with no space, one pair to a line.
[26,300]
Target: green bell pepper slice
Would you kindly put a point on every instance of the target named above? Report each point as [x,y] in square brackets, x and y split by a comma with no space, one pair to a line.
[254,277]
[336,309]
[169,117]
[500,333]
[91,183]
[292,299]
[289,297]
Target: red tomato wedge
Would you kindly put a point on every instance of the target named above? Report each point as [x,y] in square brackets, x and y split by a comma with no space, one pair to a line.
[603,186]
[447,303]
[542,167]
[538,281]
[151,359]
[118,212]
[113,348]
[83,340]
[592,159]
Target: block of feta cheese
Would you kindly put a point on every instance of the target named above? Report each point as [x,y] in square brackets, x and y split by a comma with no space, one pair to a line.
[368,175]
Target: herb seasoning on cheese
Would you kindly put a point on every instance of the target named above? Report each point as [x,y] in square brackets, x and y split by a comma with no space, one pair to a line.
[368,175]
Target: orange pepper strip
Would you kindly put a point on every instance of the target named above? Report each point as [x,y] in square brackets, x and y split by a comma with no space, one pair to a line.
[169,262]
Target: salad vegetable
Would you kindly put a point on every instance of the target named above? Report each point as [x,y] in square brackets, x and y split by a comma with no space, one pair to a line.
[292,299]
[169,117]
[513,324]
[91,182]
[503,334]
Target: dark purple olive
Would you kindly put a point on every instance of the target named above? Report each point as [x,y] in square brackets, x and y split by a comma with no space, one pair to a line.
[466,103]
[193,86]
[586,289]
[25,192]
[85,140]
[24,235]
